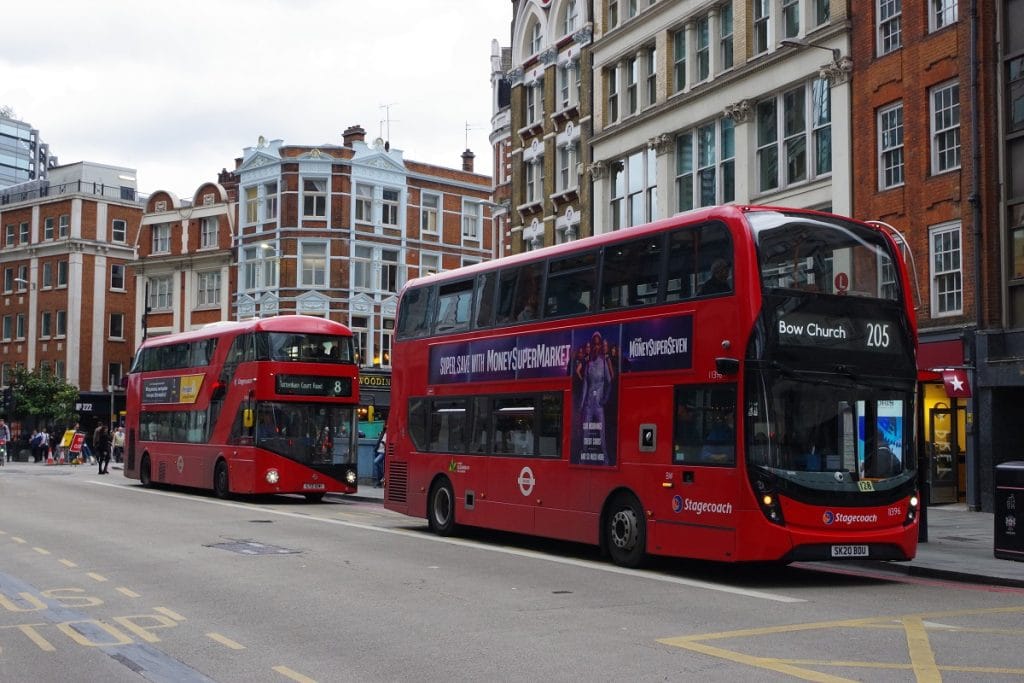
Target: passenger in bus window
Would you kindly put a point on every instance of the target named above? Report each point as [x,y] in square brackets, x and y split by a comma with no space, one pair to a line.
[572,302]
[686,440]
[522,438]
[718,281]
[719,446]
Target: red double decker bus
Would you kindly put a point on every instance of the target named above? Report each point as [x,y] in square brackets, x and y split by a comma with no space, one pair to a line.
[733,384]
[256,407]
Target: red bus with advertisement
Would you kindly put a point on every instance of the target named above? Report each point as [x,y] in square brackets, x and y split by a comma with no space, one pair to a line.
[264,406]
[732,384]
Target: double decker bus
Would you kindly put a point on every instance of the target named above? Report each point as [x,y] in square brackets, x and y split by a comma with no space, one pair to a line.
[256,407]
[732,384]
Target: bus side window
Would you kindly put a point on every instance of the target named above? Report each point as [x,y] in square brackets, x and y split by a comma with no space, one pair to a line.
[679,284]
[631,273]
[454,301]
[415,314]
[483,302]
[715,254]
[570,286]
[704,430]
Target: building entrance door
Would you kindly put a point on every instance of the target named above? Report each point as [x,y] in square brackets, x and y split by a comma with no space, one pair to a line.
[944,454]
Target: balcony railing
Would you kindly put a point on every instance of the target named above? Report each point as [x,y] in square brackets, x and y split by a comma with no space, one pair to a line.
[41,189]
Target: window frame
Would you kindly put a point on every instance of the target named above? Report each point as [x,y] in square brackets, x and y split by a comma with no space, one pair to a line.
[954,273]
[891,158]
[944,105]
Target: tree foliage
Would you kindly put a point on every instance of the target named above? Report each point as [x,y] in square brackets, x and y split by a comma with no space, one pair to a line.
[43,396]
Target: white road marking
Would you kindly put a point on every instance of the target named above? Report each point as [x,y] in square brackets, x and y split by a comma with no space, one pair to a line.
[586,564]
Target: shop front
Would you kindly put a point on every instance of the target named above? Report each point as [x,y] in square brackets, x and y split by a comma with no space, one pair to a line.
[945,388]
[374,405]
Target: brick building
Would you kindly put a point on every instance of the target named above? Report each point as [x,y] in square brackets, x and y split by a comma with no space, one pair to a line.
[66,303]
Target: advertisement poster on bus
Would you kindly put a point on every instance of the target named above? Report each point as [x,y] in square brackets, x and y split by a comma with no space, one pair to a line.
[595,395]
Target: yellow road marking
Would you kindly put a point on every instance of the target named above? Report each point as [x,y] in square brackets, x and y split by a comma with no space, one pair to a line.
[921,655]
[17,539]
[171,613]
[915,626]
[68,563]
[33,635]
[225,641]
[294,675]
[96,577]
[126,591]
[41,551]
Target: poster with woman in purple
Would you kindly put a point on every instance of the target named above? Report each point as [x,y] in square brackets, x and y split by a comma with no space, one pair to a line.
[595,379]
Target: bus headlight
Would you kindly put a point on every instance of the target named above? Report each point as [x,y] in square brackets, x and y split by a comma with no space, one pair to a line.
[769,501]
[912,508]
[350,477]
[273,476]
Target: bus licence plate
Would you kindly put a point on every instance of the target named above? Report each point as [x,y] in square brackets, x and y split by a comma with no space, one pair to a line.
[315,487]
[849,551]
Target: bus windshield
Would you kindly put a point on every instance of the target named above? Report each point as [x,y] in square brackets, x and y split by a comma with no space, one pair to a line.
[826,255]
[311,434]
[809,428]
[313,348]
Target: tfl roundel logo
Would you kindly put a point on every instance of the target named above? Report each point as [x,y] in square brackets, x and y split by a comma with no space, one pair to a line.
[828,517]
[677,504]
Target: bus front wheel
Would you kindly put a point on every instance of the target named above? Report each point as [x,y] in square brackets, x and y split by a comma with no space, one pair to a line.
[626,531]
[314,497]
[220,480]
[441,508]
[144,472]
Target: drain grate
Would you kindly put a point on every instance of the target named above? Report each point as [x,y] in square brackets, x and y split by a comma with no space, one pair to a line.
[245,547]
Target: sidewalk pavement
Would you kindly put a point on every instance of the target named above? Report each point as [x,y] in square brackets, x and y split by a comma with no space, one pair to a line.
[959,546]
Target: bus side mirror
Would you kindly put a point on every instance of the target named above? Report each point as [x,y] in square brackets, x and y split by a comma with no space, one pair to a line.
[247,418]
[727,366]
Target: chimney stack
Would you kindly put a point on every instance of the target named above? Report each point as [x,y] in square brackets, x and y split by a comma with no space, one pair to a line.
[467,161]
[353,134]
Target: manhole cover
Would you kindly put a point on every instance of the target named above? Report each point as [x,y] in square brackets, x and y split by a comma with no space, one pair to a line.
[243,547]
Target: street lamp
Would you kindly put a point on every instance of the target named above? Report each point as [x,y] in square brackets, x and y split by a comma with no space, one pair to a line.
[23,281]
[802,43]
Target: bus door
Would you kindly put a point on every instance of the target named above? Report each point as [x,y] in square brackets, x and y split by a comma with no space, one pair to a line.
[696,508]
[511,473]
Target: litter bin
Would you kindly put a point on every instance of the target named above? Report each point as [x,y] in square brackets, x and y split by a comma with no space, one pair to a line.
[1009,535]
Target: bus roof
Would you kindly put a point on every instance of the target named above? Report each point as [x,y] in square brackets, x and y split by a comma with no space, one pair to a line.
[308,324]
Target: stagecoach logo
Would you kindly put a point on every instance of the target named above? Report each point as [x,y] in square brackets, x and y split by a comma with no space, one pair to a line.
[680,504]
[526,481]
[830,518]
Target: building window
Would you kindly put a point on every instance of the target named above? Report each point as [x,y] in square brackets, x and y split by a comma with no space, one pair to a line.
[115,371]
[48,229]
[762,17]
[679,61]
[889,32]
[632,78]
[389,271]
[790,18]
[361,265]
[313,259]
[162,238]
[613,13]
[612,77]
[572,17]
[703,55]
[8,280]
[713,181]
[62,273]
[387,334]
[252,204]
[534,186]
[19,326]
[208,289]
[24,233]
[22,278]
[117,272]
[364,203]
[890,146]
[270,201]
[118,230]
[160,294]
[634,190]
[788,137]
[360,338]
[59,369]
[8,330]
[64,225]
[430,263]
[946,275]
[47,276]
[536,36]
[943,13]
[260,269]
[567,155]
[117,325]
[62,323]
[45,325]
[651,76]
[945,101]
[430,213]
[822,12]
[535,102]
[208,233]
[472,217]
[568,84]
[389,208]
[725,40]
[314,197]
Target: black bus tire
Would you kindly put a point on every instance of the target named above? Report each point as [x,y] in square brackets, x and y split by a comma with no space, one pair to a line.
[441,508]
[220,480]
[314,497]
[626,531]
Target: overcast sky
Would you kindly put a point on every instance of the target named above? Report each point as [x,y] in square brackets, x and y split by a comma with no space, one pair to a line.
[177,89]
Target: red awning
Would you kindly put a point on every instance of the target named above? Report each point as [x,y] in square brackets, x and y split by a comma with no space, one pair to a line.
[957,385]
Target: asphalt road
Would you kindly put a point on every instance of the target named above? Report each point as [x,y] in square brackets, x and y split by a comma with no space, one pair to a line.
[102,580]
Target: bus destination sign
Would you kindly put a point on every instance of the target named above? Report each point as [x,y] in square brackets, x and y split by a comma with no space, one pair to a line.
[313,385]
[877,336]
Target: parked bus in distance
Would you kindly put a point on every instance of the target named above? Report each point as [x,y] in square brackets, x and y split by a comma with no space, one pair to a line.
[254,407]
[732,384]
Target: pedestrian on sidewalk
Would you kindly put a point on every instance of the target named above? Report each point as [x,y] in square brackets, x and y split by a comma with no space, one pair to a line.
[378,458]
[101,444]
[118,443]
[5,440]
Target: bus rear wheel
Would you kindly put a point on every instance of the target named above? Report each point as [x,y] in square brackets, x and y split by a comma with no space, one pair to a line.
[441,508]
[626,531]
[145,476]
[220,480]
